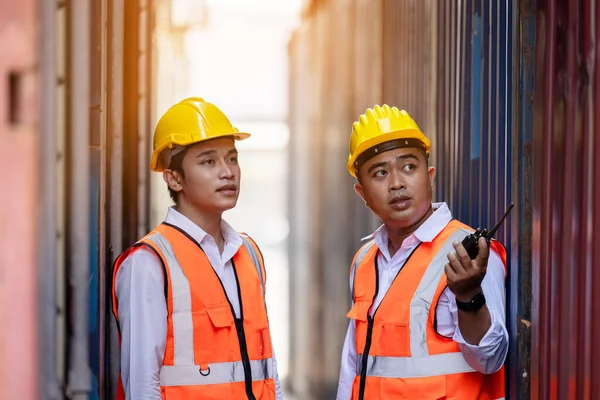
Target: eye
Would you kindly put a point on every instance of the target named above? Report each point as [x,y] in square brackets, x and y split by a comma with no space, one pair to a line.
[380,173]
[207,162]
[409,167]
[233,160]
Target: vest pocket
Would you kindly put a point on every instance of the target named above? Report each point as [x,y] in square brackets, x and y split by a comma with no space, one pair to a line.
[359,310]
[220,315]
[213,333]
[394,339]
[264,390]
[263,342]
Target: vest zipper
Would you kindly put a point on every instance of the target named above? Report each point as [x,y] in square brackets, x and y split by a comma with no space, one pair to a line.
[239,327]
[365,359]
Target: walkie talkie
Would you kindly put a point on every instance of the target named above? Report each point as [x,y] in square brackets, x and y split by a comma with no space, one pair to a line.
[470,242]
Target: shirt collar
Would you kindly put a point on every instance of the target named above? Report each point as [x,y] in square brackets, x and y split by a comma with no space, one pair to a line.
[182,222]
[425,233]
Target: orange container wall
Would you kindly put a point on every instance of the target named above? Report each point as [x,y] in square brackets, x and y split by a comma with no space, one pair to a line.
[18,166]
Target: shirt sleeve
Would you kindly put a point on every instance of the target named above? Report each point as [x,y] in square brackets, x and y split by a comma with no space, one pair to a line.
[489,355]
[142,312]
[278,391]
[348,364]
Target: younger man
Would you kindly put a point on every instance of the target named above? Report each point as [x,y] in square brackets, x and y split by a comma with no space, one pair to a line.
[189,296]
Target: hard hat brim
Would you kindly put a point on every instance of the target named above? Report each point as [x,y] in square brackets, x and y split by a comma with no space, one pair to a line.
[400,134]
[186,140]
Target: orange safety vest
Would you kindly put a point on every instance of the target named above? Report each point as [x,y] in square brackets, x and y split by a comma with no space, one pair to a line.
[210,354]
[400,354]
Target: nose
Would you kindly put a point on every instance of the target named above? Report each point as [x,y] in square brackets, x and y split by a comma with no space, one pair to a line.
[396,181]
[226,171]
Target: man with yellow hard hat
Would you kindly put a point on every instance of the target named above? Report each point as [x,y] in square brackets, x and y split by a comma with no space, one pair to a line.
[427,321]
[189,297]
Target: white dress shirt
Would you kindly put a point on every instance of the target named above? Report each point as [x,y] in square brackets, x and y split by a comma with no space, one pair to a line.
[142,307]
[489,355]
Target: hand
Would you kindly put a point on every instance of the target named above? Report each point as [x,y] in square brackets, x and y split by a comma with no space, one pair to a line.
[464,276]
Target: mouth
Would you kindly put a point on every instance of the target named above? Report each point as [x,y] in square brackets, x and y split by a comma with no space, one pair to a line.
[400,203]
[228,190]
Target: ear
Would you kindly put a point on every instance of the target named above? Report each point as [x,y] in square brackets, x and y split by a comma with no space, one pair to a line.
[431,172]
[173,179]
[360,190]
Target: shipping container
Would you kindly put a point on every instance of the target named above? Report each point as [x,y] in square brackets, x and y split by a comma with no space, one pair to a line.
[64,100]
[565,206]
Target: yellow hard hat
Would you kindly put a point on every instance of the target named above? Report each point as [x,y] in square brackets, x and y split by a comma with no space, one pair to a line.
[380,129]
[192,120]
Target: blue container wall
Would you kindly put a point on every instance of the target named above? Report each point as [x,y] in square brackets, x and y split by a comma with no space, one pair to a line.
[474,132]
[473,111]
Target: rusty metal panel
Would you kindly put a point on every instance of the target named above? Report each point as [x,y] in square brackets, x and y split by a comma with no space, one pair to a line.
[520,279]
[592,56]
[593,261]
[565,273]
[19,141]
[540,221]
[585,352]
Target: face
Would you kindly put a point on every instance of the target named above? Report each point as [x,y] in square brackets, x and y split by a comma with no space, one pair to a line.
[211,176]
[397,186]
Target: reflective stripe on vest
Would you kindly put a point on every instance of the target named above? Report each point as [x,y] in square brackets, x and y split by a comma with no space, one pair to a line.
[414,367]
[359,257]
[255,260]
[183,326]
[421,301]
[217,373]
